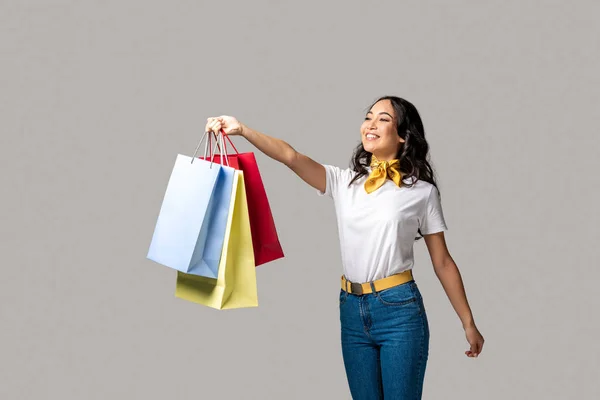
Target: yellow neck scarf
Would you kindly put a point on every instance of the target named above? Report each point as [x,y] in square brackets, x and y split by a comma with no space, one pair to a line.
[381,170]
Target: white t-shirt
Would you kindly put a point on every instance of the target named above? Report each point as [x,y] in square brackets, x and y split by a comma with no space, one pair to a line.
[377,230]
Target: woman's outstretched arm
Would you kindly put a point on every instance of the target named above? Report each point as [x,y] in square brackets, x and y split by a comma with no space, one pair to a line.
[306,168]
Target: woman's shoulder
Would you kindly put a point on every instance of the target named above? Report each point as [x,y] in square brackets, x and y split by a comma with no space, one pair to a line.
[338,170]
[415,181]
[345,171]
[418,187]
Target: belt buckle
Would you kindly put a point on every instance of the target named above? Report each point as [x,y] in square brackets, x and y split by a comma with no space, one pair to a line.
[356,288]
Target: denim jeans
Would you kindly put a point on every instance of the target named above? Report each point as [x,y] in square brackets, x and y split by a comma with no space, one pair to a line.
[385,342]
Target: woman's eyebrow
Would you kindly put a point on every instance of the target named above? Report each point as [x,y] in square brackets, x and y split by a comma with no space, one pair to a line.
[383,112]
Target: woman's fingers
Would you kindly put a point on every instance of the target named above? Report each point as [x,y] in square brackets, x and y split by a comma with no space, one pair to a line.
[209,124]
[475,349]
[214,125]
[475,341]
[229,125]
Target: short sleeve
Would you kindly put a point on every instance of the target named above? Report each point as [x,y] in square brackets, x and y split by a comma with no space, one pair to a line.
[333,178]
[432,219]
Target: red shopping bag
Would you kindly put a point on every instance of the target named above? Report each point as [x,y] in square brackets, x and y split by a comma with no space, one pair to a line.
[265,240]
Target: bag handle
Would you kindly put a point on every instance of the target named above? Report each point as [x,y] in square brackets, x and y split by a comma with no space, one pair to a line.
[198,146]
[222,135]
[220,144]
[228,138]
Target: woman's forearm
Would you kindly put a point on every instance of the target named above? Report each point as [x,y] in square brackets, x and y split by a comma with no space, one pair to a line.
[451,281]
[275,148]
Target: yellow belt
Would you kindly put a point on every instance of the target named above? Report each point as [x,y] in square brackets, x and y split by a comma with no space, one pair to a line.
[380,284]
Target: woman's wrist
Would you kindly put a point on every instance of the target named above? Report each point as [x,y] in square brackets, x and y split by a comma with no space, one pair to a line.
[468,324]
[244,130]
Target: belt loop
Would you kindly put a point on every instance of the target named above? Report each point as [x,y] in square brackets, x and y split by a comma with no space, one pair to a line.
[373,287]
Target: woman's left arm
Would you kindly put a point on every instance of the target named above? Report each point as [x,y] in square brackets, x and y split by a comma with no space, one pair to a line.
[447,272]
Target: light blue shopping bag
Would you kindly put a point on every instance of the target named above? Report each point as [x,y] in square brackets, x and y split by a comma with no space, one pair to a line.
[190,228]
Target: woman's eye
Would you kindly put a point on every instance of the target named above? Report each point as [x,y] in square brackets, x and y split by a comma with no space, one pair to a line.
[382,119]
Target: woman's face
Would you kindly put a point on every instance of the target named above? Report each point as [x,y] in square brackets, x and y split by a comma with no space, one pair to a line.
[379,133]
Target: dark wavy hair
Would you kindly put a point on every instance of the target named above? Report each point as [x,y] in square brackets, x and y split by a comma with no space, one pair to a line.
[413,154]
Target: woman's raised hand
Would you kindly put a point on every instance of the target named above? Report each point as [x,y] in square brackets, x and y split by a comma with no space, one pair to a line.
[230,125]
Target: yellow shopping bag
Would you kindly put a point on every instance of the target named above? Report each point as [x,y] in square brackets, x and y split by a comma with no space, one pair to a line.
[235,286]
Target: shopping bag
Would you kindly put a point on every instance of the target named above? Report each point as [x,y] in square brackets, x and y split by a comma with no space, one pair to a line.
[191,224]
[235,286]
[265,240]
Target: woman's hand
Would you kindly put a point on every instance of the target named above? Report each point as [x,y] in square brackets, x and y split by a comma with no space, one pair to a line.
[475,340]
[230,125]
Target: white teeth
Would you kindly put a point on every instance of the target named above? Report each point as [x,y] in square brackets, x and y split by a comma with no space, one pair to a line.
[371,136]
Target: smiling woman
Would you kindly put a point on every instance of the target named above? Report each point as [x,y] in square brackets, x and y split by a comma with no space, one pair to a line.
[379,133]
[383,202]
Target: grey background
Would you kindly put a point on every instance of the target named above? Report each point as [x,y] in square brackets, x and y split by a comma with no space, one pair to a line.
[97,98]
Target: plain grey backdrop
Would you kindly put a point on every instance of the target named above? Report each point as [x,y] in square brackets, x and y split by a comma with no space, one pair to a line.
[98,97]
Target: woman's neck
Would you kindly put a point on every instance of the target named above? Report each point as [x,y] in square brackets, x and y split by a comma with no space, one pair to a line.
[381,157]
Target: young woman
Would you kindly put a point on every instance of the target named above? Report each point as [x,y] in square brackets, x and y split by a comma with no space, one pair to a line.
[382,202]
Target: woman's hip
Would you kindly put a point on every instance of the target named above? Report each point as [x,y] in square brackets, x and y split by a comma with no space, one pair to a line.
[397,313]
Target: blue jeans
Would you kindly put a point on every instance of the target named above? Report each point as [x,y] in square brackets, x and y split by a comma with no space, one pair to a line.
[385,342]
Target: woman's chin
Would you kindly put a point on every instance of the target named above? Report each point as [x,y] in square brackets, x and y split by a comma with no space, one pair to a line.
[368,147]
